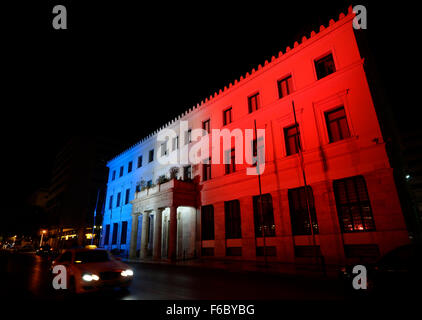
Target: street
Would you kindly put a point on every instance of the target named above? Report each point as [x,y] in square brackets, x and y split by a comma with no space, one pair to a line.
[26,275]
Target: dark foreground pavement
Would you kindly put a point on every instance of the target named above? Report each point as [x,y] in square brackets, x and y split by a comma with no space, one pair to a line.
[27,276]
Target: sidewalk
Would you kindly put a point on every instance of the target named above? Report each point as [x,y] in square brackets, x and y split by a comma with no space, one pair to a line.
[275,268]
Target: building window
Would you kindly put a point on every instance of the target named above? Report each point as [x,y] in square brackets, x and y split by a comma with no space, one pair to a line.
[149,184]
[232,219]
[207,222]
[164,149]
[187,173]
[325,66]
[353,205]
[337,126]
[113,175]
[230,161]
[118,200]
[188,136]
[151,155]
[115,230]
[107,235]
[206,126]
[139,161]
[299,213]
[175,143]
[129,167]
[121,172]
[110,203]
[124,233]
[206,175]
[253,103]
[267,218]
[138,187]
[292,139]
[127,196]
[285,86]
[227,116]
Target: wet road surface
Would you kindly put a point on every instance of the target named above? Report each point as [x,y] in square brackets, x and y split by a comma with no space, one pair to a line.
[27,276]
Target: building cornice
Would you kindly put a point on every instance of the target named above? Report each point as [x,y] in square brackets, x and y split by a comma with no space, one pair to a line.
[207,102]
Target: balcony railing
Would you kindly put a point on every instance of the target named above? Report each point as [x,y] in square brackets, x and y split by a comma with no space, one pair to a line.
[180,185]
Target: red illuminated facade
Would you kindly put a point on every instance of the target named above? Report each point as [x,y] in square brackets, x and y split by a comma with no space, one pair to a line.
[333,141]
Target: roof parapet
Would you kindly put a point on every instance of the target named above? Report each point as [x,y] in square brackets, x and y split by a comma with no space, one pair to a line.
[237,82]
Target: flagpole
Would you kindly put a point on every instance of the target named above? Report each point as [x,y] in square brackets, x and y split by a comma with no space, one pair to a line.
[95,218]
[261,216]
[299,148]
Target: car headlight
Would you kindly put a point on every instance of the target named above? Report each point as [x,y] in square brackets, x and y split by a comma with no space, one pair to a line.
[127,273]
[90,277]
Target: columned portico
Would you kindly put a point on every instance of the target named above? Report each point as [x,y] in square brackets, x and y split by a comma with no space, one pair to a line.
[133,236]
[173,233]
[144,235]
[157,233]
[165,202]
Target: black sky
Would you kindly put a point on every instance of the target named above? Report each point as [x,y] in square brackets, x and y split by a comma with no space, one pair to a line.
[124,69]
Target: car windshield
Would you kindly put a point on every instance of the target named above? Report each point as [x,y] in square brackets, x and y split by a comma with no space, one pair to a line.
[91,256]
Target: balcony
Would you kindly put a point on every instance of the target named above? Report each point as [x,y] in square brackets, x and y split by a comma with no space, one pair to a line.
[173,186]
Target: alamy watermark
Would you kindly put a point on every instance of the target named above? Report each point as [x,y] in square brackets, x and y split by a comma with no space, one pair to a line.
[60,280]
[360,281]
[201,146]
[360,20]
[60,18]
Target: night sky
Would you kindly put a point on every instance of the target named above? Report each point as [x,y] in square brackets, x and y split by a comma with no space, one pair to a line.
[124,69]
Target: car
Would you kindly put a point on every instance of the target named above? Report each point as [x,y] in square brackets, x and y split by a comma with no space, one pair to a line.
[90,270]
[117,252]
[45,250]
[396,274]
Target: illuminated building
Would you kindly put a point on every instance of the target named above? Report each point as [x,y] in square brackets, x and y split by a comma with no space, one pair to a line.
[213,210]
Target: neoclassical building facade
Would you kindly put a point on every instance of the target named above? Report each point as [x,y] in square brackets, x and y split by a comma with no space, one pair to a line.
[327,189]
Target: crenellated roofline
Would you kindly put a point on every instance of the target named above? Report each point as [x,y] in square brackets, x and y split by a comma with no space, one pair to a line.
[237,83]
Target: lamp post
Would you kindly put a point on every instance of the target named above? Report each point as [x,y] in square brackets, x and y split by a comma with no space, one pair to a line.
[260,208]
[42,236]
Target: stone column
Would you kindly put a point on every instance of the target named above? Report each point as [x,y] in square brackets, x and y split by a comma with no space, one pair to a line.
[134,236]
[173,233]
[144,235]
[157,233]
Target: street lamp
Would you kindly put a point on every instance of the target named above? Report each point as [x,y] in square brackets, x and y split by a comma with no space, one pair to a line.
[42,235]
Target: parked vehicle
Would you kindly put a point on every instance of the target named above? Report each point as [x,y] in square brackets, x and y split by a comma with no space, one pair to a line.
[397,273]
[45,250]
